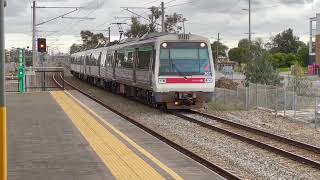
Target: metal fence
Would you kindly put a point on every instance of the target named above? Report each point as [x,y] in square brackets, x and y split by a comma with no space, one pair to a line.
[281,101]
[12,84]
[37,79]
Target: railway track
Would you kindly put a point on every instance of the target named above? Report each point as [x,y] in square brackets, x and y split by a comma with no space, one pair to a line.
[219,170]
[288,148]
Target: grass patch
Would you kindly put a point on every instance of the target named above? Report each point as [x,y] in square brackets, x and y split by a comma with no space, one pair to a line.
[216,106]
[283,69]
[287,69]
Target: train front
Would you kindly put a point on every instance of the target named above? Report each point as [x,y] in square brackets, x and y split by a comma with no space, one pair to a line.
[184,72]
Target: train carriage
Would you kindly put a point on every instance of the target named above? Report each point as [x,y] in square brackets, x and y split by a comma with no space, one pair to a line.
[171,70]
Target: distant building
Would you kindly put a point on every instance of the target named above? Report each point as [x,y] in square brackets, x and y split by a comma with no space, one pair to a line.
[224,63]
[314,41]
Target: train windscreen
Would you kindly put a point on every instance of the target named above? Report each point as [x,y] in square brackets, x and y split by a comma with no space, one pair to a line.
[184,59]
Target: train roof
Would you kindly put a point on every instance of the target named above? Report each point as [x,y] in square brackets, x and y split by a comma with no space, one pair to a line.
[150,37]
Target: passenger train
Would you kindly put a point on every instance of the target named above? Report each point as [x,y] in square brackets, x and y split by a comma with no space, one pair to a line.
[175,71]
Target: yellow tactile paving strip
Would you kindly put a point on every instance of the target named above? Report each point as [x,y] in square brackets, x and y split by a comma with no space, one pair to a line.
[131,142]
[122,162]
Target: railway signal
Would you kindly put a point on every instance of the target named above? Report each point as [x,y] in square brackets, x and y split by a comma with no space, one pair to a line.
[42,45]
[21,72]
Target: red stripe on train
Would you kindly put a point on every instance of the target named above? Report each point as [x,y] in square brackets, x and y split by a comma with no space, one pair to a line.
[184,80]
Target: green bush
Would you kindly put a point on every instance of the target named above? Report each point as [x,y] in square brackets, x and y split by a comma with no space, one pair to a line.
[261,71]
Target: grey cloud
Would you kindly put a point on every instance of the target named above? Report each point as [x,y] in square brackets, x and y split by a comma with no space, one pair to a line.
[15,8]
[206,17]
[296,1]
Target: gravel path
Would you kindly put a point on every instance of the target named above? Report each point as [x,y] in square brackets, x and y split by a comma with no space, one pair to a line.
[244,160]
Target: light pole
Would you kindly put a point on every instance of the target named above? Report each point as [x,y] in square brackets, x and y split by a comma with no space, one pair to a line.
[249,10]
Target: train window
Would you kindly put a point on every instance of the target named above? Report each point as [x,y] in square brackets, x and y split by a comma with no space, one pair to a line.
[87,59]
[120,59]
[184,59]
[94,59]
[99,59]
[128,60]
[103,59]
[144,57]
[109,60]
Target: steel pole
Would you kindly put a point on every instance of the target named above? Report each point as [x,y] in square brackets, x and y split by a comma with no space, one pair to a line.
[109,34]
[34,52]
[162,15]
[3,124]
[250,22]
[310,40]
[218,48]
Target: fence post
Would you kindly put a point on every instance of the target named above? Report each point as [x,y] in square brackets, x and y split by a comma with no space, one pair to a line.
[44,81]
[266,96]
[257,95]
[294,105]
[249,96]
[316,113]
[276,109]
[294,99]
[285,101]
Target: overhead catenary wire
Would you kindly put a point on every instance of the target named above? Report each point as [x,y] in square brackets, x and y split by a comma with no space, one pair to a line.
[150,2]
[183,3]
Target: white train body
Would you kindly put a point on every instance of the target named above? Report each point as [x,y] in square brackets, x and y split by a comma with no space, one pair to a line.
[166,69]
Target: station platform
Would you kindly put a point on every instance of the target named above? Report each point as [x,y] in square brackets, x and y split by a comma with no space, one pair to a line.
[65,135]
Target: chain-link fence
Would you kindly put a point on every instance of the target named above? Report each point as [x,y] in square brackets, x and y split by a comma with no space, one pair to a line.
[281,101]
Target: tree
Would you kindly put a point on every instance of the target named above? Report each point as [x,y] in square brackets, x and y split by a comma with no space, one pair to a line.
[91,40]
[303,55]
[75,48]
[261,71]
[222,49]
[239,55]
[137,29]
[285,42]
[86,37]
[154,16]
[244,43]
[283,60]
[172,23]
[250,49]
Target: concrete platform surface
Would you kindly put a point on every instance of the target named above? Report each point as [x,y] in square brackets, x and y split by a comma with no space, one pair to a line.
[57,135]
[44,144]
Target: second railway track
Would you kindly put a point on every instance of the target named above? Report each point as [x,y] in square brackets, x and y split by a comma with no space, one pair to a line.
[288,148]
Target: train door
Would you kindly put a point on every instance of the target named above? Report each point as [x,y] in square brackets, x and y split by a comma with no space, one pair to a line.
[152,65]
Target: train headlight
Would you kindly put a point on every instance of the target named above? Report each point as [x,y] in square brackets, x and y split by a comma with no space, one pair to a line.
[209,80]
[164,45]
[162,81]
[203,45]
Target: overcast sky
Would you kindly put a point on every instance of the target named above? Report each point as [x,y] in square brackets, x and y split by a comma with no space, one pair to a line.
[205,17]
